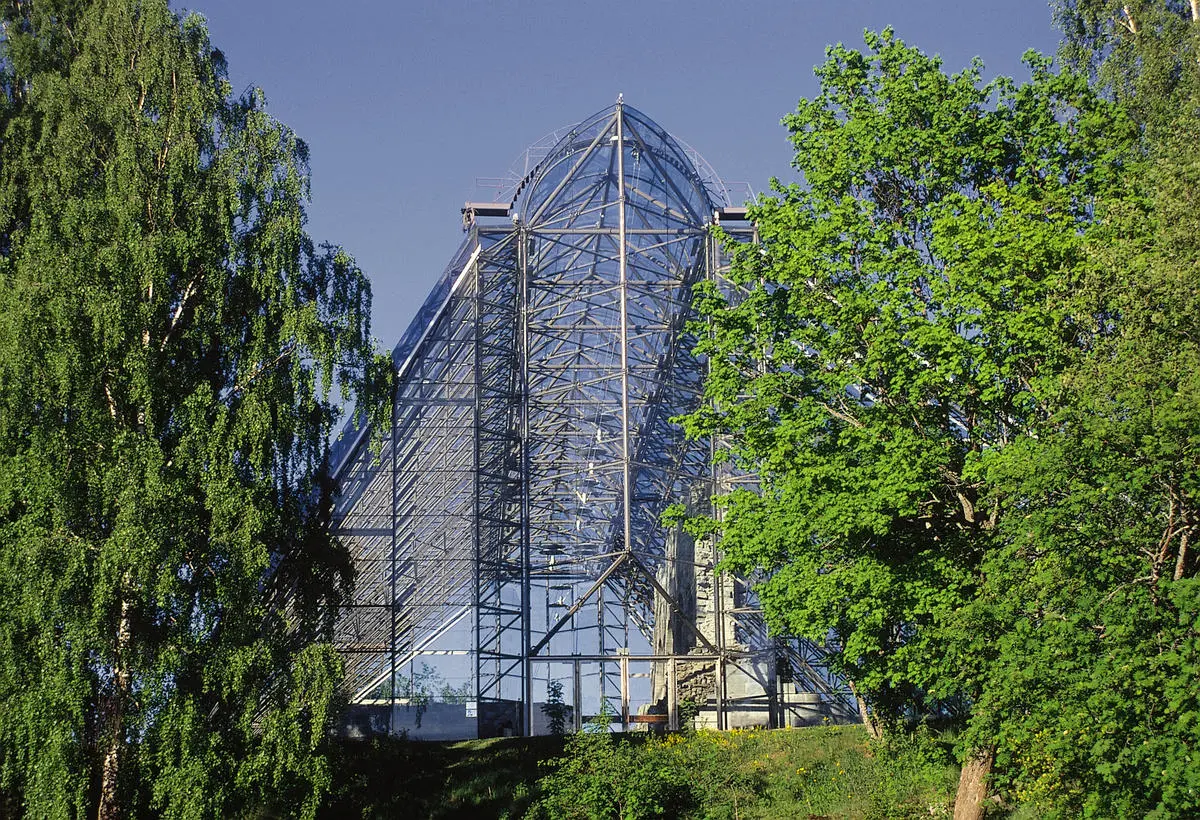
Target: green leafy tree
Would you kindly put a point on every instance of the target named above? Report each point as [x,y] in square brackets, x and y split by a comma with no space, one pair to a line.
[1142,53]
[903,316]
[1090,606]
[169,340]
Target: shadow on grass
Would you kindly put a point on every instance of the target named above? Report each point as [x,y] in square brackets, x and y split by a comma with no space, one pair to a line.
[388,777]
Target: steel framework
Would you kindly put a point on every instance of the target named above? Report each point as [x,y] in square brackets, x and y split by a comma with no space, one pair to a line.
[507,533]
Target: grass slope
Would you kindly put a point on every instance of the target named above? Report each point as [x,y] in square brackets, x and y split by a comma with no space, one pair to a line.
[393,778]
[832,771]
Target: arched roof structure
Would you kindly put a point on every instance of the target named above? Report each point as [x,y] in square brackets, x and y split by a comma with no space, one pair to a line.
[511,522]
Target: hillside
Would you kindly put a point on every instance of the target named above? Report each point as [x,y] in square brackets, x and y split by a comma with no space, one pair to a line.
[829,771]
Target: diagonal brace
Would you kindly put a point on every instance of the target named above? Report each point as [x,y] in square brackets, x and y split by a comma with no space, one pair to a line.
[575,607]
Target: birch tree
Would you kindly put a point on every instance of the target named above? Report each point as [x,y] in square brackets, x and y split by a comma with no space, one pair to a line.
[169,339]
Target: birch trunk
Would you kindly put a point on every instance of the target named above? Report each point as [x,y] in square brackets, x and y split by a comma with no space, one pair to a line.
[114,733]
[1181,556]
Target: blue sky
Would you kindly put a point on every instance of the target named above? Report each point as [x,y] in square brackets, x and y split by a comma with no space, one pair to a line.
[406,104]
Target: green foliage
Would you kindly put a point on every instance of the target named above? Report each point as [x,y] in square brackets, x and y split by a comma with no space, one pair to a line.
[1090,656]
[824,771]
[603,776]
[902,316]
[467,780]
[1090,603]
[169,339]
[1139,52]
[554,709]
[689,709]
[829,771]
[964,362]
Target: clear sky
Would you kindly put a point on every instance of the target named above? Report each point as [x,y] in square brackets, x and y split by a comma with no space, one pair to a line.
[405,104]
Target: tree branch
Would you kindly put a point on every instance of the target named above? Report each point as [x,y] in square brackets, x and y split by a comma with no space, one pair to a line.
[242,386]
[1164,543]
[188,292]
[1128,21]
[1181,556]
[968,508]
[846,417]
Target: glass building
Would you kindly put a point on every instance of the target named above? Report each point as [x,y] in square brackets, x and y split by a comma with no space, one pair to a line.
[511,563]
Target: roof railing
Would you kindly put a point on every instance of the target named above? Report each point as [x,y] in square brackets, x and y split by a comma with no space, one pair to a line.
[472,210]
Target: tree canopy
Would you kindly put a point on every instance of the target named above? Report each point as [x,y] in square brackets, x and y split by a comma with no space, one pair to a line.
[1095,580]
[169,340]
[961,361]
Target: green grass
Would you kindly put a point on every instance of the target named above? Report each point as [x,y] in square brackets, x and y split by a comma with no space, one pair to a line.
[832,771]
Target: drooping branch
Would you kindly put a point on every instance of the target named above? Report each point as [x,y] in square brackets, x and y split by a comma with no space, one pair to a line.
[188,292]
[1128,20]
[244,385]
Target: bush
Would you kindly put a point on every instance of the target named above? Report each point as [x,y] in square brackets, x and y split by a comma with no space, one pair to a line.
[605,777]
[827,771]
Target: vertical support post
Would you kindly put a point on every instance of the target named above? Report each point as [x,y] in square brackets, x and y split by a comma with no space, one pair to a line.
[476,506]
[719,610]
[673,694]
[721,693]
[392,567]
[526,592]
[601,639]
[577,695]
[624,689]
[718,587]
[773,705]
[623,264]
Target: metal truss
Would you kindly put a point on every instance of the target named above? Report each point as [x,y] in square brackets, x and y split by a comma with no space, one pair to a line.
[510,519]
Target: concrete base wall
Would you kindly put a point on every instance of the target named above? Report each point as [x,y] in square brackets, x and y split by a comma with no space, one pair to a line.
[364,720]
[748,707]
[439,721]
[809,709]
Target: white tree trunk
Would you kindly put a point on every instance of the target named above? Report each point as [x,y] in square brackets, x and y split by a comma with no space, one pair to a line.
[114,714]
